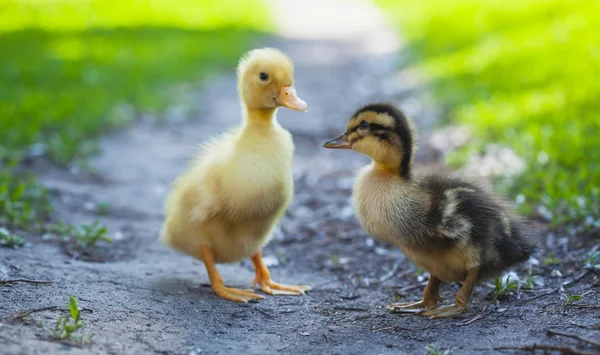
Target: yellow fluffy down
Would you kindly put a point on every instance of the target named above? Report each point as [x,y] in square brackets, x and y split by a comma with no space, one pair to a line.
[232,196]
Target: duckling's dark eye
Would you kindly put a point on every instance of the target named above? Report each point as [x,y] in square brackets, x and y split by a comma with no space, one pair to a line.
[363,125]
[263,76]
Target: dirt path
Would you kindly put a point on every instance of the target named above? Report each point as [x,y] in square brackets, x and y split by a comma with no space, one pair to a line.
[149,299]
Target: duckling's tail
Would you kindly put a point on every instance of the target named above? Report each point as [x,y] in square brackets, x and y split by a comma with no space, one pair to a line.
[165,237]
[519,244]
[512,246]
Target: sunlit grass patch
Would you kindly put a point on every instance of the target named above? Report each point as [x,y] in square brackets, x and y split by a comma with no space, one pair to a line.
[72,70]
[522,75]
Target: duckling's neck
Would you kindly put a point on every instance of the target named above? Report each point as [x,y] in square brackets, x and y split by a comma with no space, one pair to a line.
[259,116]
[391,169]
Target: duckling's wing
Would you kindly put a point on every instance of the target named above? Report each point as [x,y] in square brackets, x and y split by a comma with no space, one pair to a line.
[207,203]
[459,208]
[202,191]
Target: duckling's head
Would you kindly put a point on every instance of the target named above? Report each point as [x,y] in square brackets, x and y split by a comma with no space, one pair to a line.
[382,132]
[266,80]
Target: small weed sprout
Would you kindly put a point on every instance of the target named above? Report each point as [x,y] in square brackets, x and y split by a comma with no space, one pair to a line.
[66,327]
[103,209]
[592,260]
[90,235]
[433,350]
[529,280]
[570,299]
[9,240]
[551,259]
[502,288]
[60,229]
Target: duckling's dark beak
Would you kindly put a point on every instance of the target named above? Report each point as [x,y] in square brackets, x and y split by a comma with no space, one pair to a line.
[340,142]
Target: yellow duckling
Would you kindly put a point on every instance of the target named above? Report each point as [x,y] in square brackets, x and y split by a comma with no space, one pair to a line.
[225,206]
[444,224]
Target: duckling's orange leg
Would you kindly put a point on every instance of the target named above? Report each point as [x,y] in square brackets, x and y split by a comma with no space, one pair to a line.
[232,294]
[263,279]
[431,296]
[463,298]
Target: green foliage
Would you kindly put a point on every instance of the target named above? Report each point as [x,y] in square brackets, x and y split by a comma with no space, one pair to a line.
[9,240]
[72,70]
[502,288]
[522,75]
[66,327]
[90,235]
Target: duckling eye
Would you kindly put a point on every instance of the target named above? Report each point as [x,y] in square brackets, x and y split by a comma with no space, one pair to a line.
[363,125]
[263,76]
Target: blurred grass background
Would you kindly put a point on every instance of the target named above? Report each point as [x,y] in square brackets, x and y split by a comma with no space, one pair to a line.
[71,70]
[523,75]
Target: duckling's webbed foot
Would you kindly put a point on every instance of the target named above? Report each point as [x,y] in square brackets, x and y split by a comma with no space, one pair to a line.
[235,294]
[445,311]
[405,306]
[463,298]
[232,294]
[268,286]
[431,296]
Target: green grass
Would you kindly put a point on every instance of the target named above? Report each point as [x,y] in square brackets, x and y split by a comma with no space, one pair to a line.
[23,201]
[523,75]
[73,70]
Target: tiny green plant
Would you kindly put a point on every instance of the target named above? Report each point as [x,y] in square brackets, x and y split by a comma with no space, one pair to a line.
[90,235]
[592,260]
[103,209]
[570,299]
[434,350]
[551,259]
[67,326]
[9,240]
[60,228]
[532,281]
[24,203]
[529,280]
[502,288]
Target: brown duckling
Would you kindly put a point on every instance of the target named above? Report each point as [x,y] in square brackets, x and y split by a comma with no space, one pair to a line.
[445,224]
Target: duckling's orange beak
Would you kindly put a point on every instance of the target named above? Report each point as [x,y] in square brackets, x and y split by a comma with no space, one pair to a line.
[288,98]
[340,142]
